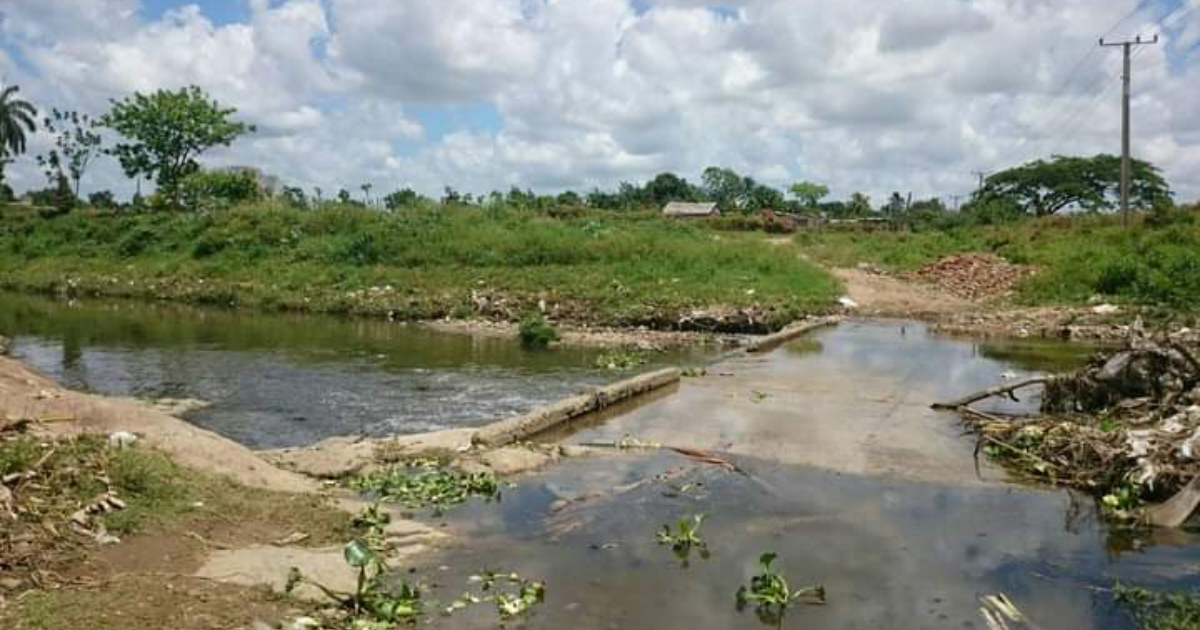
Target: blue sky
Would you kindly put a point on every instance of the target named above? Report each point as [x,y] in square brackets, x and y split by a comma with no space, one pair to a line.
[863,95]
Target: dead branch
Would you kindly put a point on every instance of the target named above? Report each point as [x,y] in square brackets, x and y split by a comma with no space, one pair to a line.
[998,390]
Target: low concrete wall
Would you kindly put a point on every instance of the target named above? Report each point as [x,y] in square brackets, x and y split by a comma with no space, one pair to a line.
[539,420]
[770,342]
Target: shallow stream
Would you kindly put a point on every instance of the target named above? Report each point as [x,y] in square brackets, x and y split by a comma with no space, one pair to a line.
[844,471]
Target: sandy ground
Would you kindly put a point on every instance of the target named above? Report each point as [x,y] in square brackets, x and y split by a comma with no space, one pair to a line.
[881,295]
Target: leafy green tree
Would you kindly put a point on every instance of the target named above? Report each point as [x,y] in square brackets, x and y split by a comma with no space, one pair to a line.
[1043,187]
[102,199]
[76,143]
[569,198]
[405,198]
[294,197]
[215,190]
[809,193]
[726,187]
[167,131]
[859,205]
[763,197]
[17,118]
[667,187]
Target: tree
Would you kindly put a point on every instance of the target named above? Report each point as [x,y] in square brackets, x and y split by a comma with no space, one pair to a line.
[667,187]
[809,193]
[726,187]
[1043,187]
[859,205]
[17,118]
[404,198]
[102,199]
[76,144]
[167,131]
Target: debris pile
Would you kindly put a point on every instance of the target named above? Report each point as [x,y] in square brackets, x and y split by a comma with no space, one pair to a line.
[973,275]
[1125,427]
[54,494]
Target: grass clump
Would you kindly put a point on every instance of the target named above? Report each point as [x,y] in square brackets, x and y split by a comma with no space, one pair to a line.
[420,484]
[536,332]
[621,360]
[1160,611]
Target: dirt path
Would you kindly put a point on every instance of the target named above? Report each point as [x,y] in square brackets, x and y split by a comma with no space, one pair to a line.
[882,295]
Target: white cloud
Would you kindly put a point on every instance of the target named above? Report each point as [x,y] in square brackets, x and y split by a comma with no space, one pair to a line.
[863,94]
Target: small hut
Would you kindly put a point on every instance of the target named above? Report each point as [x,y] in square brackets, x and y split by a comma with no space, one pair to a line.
[685,210]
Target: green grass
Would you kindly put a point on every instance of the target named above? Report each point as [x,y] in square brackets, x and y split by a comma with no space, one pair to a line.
[599,269]
[1077,256]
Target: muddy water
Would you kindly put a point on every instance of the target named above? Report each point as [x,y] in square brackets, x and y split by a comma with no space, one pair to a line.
[892,554]
[854,398]
[283,380]
[847,475]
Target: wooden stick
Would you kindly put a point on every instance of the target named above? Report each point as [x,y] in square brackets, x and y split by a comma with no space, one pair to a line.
[991,391]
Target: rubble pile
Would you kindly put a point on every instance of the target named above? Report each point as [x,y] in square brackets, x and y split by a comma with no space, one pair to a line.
[973,275]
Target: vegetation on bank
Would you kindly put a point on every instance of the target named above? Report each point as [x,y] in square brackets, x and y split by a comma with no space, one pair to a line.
[419,264]
[1156,262]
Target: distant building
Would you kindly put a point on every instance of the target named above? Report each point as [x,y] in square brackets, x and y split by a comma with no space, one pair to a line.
[684,210]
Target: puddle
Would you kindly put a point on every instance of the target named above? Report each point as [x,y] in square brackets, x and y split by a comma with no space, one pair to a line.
[279,380]
[892,554]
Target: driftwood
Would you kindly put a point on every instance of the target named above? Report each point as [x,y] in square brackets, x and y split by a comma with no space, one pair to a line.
[999,390]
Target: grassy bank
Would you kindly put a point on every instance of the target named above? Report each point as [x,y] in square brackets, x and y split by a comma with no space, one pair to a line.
[462,262]
[1077,257]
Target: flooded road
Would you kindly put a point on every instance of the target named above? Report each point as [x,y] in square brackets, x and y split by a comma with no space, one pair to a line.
[853,398]
[891,554]
[277,380]
[845,473]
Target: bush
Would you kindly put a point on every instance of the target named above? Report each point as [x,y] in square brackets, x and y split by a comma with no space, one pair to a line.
[218,190]
[536,332]
[135,242]
[102,199]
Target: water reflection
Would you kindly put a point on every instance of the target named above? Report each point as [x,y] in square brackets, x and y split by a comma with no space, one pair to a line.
[285,379]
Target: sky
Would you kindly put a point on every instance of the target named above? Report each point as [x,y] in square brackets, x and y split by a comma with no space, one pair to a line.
[862,95]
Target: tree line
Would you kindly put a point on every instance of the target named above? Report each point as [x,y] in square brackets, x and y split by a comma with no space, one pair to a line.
[162,135]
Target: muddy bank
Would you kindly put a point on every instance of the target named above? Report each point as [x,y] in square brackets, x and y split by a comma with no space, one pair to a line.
[877,294]
[55,410]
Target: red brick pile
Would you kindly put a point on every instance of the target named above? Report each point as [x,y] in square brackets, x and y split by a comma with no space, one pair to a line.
[973,275]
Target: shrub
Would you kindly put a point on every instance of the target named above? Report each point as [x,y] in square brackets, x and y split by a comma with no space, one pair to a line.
[217,190]
[102,199]
[135,242]
[536,332]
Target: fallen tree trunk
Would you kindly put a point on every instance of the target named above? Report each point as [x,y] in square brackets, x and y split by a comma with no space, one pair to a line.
[998,390]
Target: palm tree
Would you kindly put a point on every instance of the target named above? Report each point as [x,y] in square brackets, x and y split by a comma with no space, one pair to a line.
[16,119]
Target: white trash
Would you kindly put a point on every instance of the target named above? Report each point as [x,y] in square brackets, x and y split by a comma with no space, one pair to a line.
[121,439]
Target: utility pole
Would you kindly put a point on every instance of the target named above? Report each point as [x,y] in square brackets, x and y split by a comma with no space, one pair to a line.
[981,175]
[1126,166]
